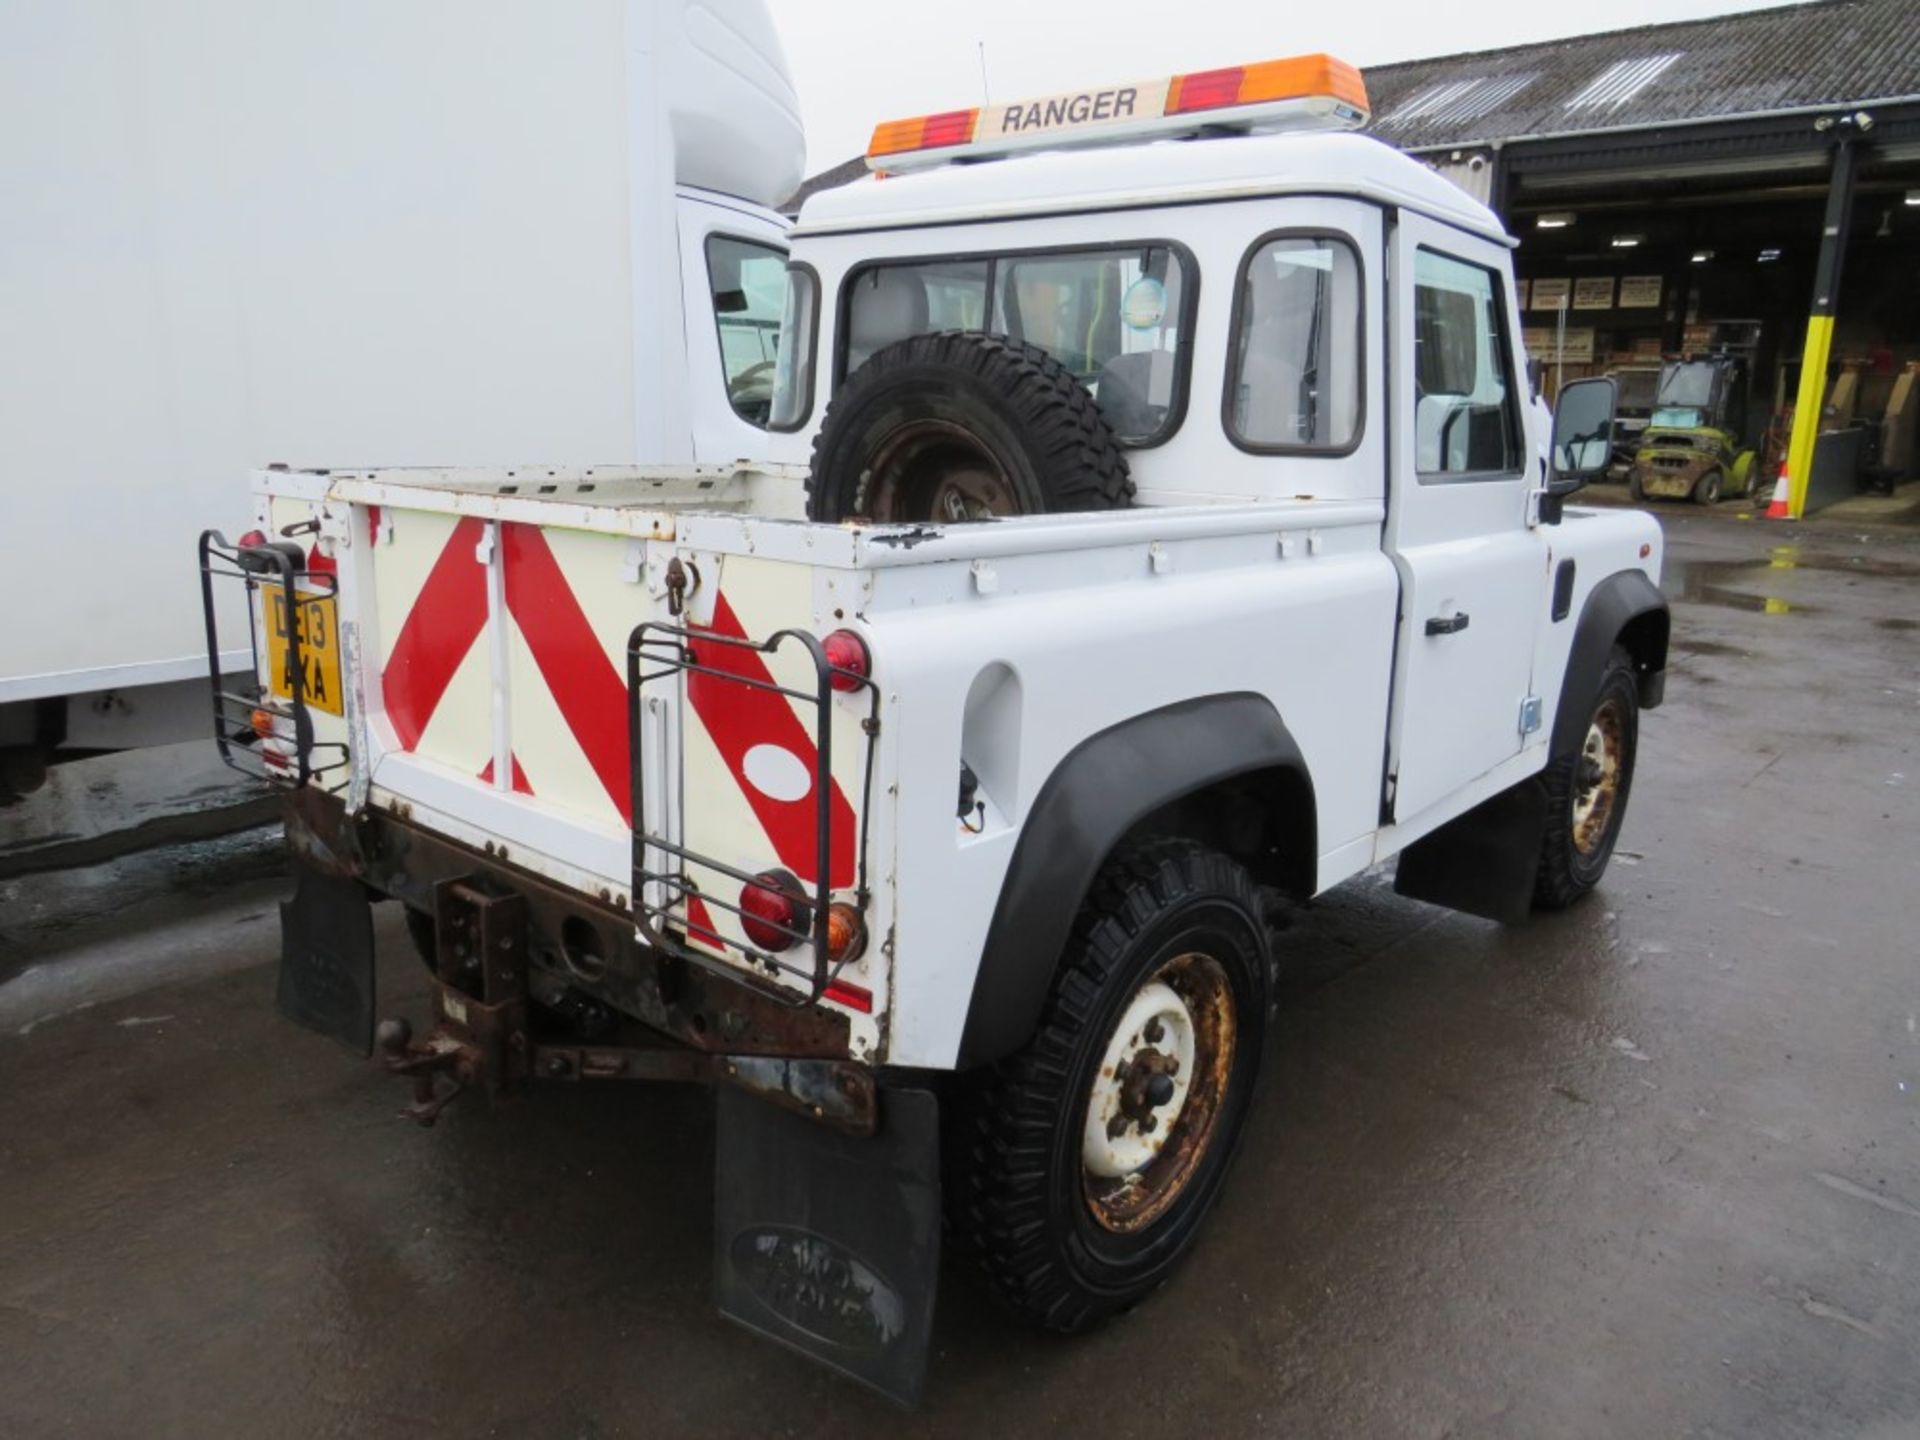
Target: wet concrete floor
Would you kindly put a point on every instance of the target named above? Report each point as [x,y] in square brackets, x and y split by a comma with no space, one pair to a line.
[1648,1168]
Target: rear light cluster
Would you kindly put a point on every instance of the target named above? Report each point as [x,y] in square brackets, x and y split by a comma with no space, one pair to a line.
[776,915]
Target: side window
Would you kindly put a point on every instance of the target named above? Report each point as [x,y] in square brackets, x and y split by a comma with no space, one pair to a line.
[749,284]
[1117,316]
[1465,416]
[799,336]
[1295,372]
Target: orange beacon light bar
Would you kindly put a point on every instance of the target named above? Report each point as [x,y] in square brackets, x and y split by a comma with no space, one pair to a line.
[1307,92]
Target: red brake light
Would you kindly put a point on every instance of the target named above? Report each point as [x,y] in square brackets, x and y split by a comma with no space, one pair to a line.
[319,563]
[252,540]
[847,652]
[772,908]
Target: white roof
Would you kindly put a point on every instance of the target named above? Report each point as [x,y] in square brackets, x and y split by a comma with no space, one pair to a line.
[1136,176]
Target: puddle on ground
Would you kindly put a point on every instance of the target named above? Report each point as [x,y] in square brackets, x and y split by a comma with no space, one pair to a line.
[1705,581]
[1699,581]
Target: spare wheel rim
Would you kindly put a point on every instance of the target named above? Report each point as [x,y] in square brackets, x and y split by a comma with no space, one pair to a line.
[938,471]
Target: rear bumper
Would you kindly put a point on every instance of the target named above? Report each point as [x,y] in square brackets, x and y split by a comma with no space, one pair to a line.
[586,942]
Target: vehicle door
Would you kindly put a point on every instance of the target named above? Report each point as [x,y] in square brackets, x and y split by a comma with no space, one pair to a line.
[1459,524]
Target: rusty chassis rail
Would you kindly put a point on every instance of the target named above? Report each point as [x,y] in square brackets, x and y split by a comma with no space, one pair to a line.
[505,936]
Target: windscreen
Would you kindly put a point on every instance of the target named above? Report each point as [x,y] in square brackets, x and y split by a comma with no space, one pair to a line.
[1688,385]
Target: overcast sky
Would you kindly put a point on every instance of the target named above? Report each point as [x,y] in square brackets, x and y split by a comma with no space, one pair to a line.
[856,62]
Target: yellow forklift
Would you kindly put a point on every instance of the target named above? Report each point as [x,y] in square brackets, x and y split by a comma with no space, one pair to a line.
[1693,446]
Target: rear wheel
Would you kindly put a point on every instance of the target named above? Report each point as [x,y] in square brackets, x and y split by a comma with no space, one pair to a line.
[1635,490]
[1587,792]
[961,426]
[1706,490]
[1081,1169]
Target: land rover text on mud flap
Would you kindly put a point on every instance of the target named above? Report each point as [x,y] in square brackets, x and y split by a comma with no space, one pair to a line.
[1178,537]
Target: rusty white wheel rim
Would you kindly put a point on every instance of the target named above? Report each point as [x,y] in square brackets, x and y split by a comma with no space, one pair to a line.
[1156,1097]
[1597,779]
[1157,1032]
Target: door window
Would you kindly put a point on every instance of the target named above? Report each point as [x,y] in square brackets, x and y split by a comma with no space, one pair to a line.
[749,284]
[1466,420]
[1296,361]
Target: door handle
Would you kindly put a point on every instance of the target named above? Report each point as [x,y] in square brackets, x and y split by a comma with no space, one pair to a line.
[1447,624]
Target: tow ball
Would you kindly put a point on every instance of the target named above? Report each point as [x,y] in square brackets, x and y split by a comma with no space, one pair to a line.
[440,1055]
[479,1040]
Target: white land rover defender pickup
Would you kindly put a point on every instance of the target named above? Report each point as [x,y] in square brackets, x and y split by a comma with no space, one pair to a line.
[1179,535]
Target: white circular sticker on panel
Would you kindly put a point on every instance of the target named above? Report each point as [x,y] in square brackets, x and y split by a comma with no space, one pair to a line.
[1144,304]
[776,773]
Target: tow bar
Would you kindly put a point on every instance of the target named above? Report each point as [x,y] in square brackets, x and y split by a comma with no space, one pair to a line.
[481,1041]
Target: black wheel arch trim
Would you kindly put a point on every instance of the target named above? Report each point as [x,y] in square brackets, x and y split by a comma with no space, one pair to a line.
[1625,608]
[1095,796]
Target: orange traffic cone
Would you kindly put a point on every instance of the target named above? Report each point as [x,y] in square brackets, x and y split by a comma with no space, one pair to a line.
[1777,507]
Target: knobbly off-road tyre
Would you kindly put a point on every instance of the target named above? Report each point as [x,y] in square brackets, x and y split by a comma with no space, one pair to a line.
[1584,810]
[1063,1245]
[958,426]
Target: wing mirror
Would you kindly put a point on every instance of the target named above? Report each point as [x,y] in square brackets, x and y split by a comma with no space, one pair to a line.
[1582,434]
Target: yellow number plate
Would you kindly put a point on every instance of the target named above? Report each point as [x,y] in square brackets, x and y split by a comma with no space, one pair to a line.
[319,630]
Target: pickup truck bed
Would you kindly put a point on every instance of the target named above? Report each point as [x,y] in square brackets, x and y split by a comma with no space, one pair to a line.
[486,620]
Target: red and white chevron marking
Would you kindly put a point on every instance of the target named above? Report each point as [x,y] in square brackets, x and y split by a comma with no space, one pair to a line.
[566,710]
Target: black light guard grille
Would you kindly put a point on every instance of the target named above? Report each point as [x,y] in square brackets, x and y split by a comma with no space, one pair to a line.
[669,650]
[264,568]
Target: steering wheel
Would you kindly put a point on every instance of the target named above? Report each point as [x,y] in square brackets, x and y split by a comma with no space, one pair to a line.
[754,377]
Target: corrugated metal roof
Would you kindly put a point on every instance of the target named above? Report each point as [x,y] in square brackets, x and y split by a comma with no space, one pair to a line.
[1826,53]
[1621,81]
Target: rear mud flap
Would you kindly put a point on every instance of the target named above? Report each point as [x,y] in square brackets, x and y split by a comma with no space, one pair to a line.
[829,1243]
[326,958]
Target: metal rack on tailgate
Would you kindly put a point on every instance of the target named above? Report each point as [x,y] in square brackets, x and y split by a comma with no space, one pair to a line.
[269,732]
[661,884]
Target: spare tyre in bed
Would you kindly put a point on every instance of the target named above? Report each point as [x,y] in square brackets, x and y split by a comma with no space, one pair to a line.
[963,426]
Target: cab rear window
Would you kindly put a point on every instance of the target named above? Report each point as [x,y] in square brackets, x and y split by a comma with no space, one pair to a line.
[1119,317]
